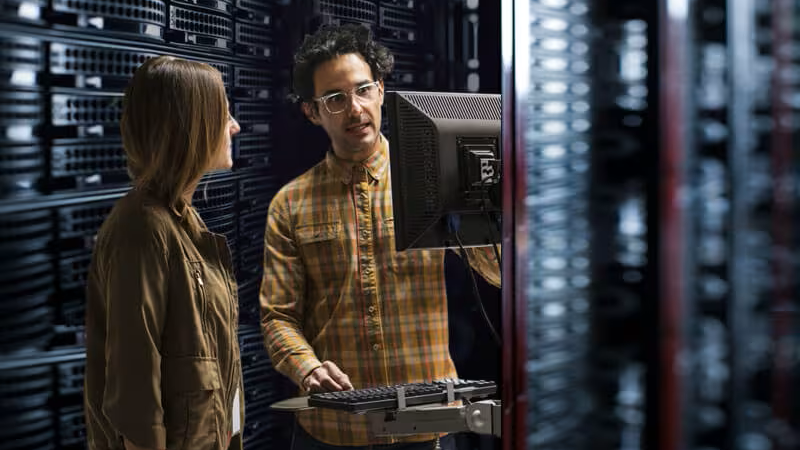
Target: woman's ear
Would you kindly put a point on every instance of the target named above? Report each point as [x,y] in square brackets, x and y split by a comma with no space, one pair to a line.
[311,113]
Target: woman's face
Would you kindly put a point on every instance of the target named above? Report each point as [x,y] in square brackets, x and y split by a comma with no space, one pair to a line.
[224,158]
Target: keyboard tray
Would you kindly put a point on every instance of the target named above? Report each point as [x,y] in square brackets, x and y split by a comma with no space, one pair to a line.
[385,397]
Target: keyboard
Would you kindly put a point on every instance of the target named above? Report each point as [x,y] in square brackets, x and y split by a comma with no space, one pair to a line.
[385,397]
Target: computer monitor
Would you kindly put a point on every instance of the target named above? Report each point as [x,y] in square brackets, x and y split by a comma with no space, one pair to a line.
[445,167]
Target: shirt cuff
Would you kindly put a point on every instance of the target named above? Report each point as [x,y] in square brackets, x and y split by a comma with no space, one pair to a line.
[303,369]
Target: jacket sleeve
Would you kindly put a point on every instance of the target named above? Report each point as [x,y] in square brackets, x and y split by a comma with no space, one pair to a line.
[282,297]
[484,261]
[136,296]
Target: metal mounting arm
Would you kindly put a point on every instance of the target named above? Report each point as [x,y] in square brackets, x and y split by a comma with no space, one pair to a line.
[482,417]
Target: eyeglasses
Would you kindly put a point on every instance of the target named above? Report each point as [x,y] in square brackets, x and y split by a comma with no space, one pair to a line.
[337,102]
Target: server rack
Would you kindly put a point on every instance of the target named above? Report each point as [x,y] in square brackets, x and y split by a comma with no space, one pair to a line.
[622,280]
[547,94]
[65,64]
[692,309]
[767,369]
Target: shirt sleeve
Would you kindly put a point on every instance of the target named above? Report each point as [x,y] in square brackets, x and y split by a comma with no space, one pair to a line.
[136,295]
[484,261]
[282,297]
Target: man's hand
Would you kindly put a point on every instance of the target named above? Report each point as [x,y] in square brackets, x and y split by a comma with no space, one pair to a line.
[326,378]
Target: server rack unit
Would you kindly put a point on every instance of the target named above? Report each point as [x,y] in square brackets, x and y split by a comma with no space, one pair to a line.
[547,96]
[65,64]
[722,44]
[765,308]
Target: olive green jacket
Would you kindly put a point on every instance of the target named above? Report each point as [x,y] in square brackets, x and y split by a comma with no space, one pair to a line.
[162,353]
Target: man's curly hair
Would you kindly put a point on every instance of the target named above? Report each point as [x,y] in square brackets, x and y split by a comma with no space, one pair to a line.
[331,41]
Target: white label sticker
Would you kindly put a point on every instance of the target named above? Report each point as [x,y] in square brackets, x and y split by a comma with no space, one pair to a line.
[237,415]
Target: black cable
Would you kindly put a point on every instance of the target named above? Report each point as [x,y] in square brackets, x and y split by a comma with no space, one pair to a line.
[294,430]
[475,290]
[489,222]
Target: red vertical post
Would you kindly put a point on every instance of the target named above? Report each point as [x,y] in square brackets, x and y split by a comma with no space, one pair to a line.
[674,121]
[513,311]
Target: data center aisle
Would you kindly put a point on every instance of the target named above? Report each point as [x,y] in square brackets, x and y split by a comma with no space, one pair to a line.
[63,67]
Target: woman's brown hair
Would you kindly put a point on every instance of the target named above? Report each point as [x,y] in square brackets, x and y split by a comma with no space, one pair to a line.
[174,118]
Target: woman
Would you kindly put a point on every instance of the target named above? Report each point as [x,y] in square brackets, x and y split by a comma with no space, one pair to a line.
[162,356]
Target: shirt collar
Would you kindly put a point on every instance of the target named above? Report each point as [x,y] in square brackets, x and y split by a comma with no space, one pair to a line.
[376,164]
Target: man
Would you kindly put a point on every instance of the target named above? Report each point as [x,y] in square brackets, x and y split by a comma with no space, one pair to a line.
[340,308]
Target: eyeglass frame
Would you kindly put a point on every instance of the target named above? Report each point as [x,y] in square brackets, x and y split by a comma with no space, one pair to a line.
[348,93]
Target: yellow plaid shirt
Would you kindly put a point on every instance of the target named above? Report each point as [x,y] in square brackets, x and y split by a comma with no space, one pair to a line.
[334,288]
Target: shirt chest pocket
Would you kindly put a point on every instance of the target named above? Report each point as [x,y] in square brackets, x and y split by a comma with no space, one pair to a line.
[322,248]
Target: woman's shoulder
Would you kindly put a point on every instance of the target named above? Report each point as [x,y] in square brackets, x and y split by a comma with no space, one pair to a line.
[137,219]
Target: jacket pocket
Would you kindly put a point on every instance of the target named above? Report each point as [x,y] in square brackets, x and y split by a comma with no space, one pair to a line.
[191,392]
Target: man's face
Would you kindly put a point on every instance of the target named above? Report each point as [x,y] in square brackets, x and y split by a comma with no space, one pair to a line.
[348,105]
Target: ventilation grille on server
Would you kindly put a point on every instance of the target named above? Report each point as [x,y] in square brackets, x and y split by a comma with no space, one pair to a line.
[251,260]
[25,397]
[218,6]
[25,234]
[249,305]
[88,165]
[352,10]
[21,61]
[86,116]
[200,29]
[21,116]
[251,83]
[263,386]
[253,117]
[256,187]
[94,66]
[140,18]
[397,17]
[21,169]
[251,40]
[408,67]
[253,150]
[215,197]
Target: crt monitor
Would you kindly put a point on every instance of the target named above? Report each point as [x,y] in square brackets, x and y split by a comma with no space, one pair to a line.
[445,168]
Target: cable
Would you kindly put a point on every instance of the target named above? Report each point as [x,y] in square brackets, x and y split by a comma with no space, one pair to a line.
[489,222]
[294,430]
[453,223]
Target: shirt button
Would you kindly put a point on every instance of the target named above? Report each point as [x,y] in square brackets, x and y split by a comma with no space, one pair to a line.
[371,309]
[376,347]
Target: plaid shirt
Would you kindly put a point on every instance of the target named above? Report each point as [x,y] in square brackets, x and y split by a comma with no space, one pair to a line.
[335,289]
